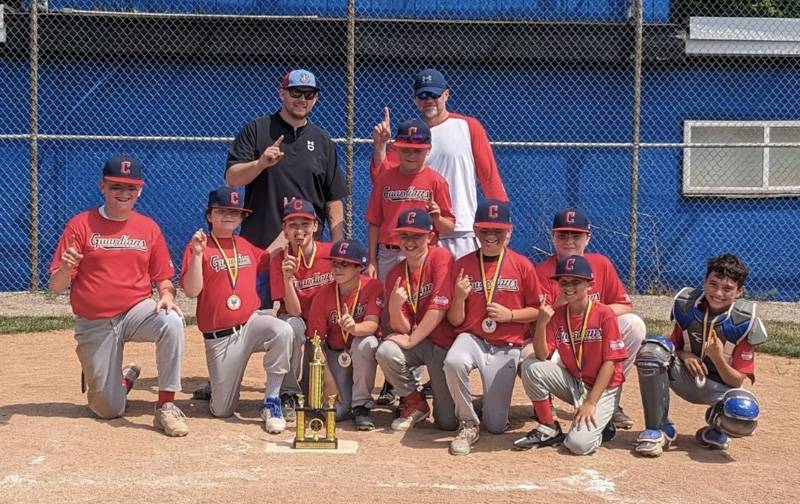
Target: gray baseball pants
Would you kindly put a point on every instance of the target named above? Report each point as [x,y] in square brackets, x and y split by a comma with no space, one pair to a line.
[355,383]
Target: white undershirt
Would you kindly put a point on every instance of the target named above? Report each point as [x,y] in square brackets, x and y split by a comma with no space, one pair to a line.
[105,215]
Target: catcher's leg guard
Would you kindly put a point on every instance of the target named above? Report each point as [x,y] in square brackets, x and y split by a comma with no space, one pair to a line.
[735,414]
[653,362]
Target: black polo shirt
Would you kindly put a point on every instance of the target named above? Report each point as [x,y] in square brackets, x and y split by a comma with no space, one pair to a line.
[309,169]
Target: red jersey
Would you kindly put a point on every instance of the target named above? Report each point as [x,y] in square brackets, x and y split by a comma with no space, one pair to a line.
[212,311]
[435,291]
[517,287]
[324,318]
[601,342]
[307,279]
[395,192]
[742,358]
[606,288]
[121,262]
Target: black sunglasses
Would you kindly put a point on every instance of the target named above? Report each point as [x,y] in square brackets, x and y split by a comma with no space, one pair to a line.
[428,94]
[297,93]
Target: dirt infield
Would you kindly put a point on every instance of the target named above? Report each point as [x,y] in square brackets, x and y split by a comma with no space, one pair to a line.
[54,451]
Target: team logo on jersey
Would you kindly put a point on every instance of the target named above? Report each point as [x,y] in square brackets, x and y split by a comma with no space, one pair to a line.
[595,334]
[361,309]
[747,356]
[217,263]
[409,194]
[310,145]
[425,290]
[441,301]
[315,280]
[595,296]
[121,242]
[617,345]
[503,284]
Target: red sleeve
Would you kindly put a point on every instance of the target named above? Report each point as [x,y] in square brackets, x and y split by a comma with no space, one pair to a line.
[613,290]
[276,276]
[374,298]
[677,337]
[548,295]
[613,346]
[550,335]
[443,281]
[260,258]
[485,164]
[375,205]
[533,292]
[744,359]
[161,267]
[391,157]
[317,319]
[187,255]
[442,198]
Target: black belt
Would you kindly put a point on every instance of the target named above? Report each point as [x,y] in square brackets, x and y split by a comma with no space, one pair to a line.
[223,333]
[392,247]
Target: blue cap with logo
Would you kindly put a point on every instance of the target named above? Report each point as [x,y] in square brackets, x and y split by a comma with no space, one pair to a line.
[123,169]
[413,134]
[226,197]
[493,214]
[573,266]
[571,219]
[414,220]
[352,251]
[299,78]
[429,81]
[298,207]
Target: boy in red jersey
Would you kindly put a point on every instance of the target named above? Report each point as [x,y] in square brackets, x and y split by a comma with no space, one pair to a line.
[296,276]
[346,315]
[111,257]
[496,297]
[219,269]
[571,235]
[586,335]
[420,289]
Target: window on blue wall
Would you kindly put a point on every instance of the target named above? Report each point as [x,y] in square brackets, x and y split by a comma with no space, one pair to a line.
[742,159]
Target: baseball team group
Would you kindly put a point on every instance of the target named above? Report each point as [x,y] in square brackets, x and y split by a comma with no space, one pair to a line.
[435,294]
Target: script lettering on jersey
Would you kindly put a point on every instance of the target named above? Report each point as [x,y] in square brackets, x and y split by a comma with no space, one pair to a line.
[218,262]
[361,309]
[314,280]
[408,194]
[425,290]
[562,335]
[503,284]
[120,242]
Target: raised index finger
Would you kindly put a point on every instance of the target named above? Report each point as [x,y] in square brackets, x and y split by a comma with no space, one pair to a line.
[278,142]
[397,283]
[386,115]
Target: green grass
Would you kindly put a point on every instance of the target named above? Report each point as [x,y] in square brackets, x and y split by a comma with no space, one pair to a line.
[784,337]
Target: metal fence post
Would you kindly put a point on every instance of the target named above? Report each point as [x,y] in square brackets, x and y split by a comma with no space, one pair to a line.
[34,145]
[635,137]
[351,91]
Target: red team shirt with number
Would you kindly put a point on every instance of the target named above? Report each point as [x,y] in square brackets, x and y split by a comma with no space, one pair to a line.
[742,359]
[436,291]
[606,288]
[517,287]
[121,262]
[324,319]
[307,281]
[601,342]
[212,309]
[394,192]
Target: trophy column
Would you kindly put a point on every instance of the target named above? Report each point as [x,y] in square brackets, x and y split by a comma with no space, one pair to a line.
[316,424]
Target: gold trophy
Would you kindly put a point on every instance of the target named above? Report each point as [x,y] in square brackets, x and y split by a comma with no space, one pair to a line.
[316,424]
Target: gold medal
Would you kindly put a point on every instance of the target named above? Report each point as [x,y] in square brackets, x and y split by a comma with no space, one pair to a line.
[233,302]
[489,325]
[414,294]
[344,359]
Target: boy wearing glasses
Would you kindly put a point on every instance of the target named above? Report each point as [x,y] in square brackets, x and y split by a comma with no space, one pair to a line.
[111,257]
[461,153]
[346,316]
[571,235]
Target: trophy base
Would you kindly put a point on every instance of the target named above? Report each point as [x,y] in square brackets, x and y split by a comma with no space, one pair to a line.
[310,444]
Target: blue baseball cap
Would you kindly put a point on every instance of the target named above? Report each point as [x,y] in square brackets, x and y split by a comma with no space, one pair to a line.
[571,219]
[413,134]
[226,197]
[299,78]
[123,169]
[573,266]
[431,81]
[414,220]
[493,214]
[351,251]
[299,207]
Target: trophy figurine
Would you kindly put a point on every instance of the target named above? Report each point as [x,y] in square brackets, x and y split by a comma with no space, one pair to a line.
[316,422]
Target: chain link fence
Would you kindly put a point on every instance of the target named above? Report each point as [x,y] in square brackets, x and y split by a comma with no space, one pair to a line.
[669,123]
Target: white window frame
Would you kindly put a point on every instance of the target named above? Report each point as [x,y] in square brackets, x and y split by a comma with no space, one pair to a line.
[764,190]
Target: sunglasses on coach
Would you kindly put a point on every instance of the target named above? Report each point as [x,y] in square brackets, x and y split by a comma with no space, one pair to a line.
[297,93]
[427,95]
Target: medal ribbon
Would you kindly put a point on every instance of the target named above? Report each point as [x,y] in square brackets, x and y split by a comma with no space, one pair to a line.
[345,334]
[232,271]
[302,257]
[413,294]
[488,292]
[578,354]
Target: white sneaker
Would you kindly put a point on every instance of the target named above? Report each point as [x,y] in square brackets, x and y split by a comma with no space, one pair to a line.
[468,435]
[272,416]
[170,419]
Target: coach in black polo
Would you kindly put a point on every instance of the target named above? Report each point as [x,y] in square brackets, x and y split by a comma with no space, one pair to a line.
[284,155]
